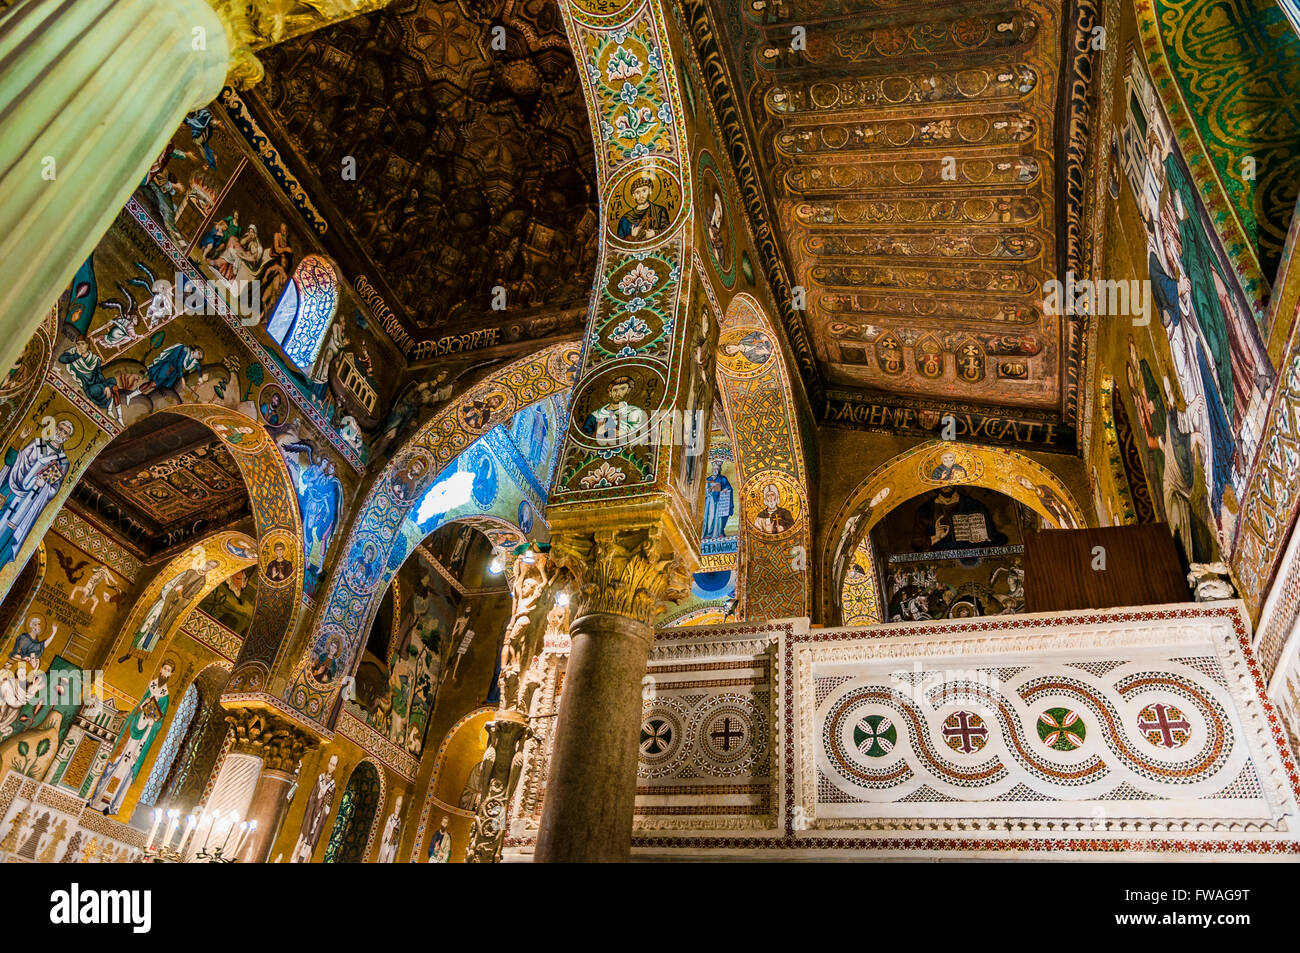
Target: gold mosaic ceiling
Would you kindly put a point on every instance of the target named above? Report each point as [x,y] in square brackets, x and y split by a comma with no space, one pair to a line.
[907,154]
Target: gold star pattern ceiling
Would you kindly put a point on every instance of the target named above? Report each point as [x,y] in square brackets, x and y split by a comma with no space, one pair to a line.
[470,198]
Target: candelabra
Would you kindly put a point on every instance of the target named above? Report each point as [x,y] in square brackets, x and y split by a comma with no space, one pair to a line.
[161,855]
[175,849]
[215,856]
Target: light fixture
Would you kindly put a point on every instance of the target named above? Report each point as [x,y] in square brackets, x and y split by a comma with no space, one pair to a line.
[496,566]
[562,599]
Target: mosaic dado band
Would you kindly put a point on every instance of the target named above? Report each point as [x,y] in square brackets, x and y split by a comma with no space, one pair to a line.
[1133,730]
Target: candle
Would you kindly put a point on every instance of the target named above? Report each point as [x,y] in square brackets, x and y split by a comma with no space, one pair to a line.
[252,826]
[157,819]
[239,842]
[212,822]
[172,821]
[191,824]
[234,816]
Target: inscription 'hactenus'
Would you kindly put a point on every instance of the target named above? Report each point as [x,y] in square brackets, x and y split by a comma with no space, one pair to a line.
[419,350]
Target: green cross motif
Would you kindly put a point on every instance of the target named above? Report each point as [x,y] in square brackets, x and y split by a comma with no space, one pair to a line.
[875,736]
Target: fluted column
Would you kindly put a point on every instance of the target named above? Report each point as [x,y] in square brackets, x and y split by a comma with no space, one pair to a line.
[90,93]
[623,578]
[278,746]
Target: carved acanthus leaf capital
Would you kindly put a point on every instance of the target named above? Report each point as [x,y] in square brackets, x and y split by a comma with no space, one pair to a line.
[629,572]
[276,741]
[253,25]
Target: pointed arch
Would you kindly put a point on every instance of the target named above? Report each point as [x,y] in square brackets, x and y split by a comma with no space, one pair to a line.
[772,580]
[911,473]
[272,499]
[358,812]
[173,593]
[459,755]
[370,553]
[274,503]
[18,388]
[13,610]
[183,784]
[171,745]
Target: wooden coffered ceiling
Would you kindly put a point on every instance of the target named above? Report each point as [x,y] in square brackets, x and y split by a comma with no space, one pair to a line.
[907,159]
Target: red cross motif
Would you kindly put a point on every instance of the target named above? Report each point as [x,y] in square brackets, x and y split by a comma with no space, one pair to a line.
[960,737]
[1165,721]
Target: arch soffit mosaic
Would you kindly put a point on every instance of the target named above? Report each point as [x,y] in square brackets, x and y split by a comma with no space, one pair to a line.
[273,503]
[634,101]
[226,552]
[761,420]
[363,571]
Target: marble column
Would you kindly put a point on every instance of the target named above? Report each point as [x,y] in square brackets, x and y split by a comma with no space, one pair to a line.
[278,746]
[90,93]
[270,800]
[623,577]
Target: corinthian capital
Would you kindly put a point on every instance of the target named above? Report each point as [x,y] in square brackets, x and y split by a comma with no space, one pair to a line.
[240,18]
[279,743]
[253,25]
[630,572]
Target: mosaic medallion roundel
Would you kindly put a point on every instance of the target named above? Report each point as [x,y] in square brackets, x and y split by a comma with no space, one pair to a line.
[965,732]
[363,568]
[773,504]
[1061,729]
[645,205]
[1164,726]
[744,352]
[716,216]
[410,476]
[275,551]
[662,744]
[236,433]
[272,405]
[726,734]
[950,464]
[660,736]
[875,735]
[241,548]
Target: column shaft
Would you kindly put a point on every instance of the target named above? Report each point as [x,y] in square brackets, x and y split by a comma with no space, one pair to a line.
[90,93]
[591,789]
[267,808]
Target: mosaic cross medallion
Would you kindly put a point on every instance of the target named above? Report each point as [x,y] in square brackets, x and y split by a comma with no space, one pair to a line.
[964,731]
[875,736]
[1164,726]
[1061,729]
[656,736]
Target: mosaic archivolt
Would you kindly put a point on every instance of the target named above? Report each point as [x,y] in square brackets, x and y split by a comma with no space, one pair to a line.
[917,471]
[367,563]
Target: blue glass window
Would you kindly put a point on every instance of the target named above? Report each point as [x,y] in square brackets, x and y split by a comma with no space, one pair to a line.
[302,315]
